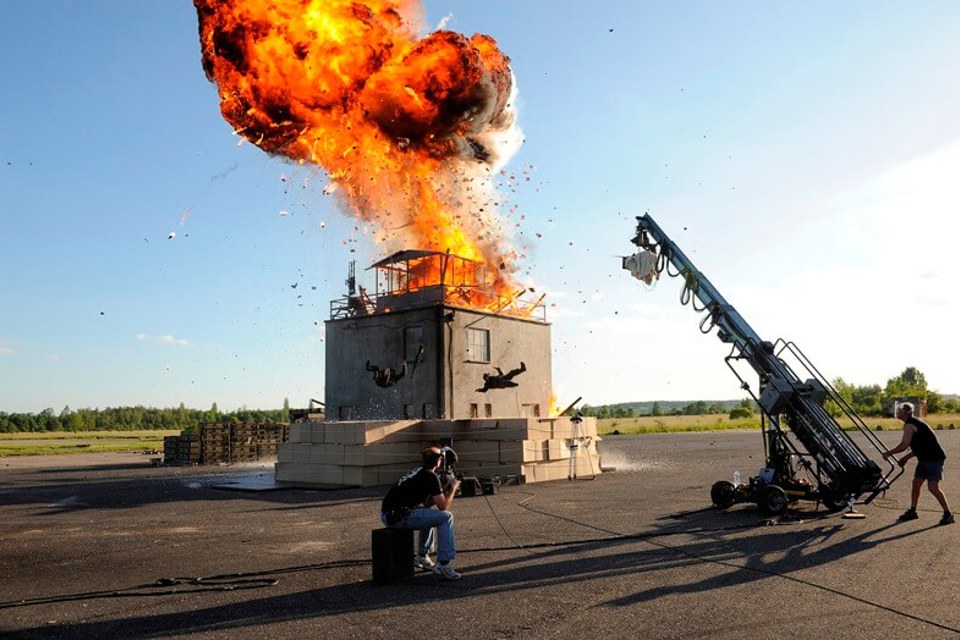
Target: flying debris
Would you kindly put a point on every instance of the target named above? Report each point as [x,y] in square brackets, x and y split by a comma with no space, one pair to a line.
[395,120]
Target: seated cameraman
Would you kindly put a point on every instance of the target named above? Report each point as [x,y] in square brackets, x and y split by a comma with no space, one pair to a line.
[408,505]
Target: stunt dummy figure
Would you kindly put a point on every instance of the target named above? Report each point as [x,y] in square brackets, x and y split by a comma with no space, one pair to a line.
[387,377]
[501,380]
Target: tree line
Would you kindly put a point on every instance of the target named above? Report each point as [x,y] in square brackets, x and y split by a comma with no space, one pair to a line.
[135,418]
[746,408]
[866,400]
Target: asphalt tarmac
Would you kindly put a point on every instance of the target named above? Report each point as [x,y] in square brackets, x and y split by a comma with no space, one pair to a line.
[107,546]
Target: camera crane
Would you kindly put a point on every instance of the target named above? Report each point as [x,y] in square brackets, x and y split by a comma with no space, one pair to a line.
[820,461]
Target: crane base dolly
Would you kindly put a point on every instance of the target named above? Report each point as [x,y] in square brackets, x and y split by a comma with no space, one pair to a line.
[808,455]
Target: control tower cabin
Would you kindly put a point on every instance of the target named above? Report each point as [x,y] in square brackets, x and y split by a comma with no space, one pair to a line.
[432,343]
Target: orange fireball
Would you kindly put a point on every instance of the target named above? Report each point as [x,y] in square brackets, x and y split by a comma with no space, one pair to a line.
[411,130]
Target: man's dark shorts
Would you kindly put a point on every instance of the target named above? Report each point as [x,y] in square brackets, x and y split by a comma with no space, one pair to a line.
[929,470]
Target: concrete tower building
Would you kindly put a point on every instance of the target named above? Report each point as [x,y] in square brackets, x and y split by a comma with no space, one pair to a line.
[429,357]
[428,313]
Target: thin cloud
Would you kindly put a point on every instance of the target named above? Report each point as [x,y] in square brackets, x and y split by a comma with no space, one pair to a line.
[166,339]
[6,351]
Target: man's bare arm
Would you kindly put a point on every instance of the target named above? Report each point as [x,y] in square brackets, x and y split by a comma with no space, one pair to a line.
[908,431]
[445,499]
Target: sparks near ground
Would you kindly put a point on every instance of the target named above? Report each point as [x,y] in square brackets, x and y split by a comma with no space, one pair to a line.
[411,131]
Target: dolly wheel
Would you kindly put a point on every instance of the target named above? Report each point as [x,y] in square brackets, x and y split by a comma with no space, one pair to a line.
[772,500]
[833,502]
[723,494]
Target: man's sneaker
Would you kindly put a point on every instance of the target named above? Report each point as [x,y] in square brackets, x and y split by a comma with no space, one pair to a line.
[909,514]
[446,571]
[423,562]
[947,518]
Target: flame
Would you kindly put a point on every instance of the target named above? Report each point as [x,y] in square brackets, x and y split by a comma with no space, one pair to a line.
[411,131]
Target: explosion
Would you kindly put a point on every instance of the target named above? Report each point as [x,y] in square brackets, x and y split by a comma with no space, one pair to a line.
[410,131]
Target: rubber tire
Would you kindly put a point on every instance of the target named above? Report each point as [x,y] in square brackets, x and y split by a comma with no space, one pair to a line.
[772,500]
[831,502]
[723,494]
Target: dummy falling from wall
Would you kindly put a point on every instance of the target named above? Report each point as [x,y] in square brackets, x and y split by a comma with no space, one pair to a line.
[387,377]
[501,380]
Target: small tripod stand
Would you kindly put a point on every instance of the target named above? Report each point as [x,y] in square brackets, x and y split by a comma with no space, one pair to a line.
[576,439]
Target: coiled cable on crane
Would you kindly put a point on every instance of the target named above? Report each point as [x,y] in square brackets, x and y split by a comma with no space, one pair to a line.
[707,323]
[664,265]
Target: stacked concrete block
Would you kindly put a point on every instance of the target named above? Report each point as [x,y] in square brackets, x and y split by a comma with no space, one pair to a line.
[358,453]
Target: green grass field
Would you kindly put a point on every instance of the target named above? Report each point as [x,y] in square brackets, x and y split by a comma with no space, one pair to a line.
[55,442]
[675,424]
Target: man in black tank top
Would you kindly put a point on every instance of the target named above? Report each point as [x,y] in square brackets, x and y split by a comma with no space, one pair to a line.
[923,444]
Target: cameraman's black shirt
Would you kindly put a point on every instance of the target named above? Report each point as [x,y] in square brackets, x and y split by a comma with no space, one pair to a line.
[411,490]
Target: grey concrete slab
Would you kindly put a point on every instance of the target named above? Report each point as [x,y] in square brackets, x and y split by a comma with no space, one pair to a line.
[106,546]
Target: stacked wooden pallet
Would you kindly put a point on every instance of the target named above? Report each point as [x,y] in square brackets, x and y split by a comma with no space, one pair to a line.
[375,453]
[181,449]
[225,444]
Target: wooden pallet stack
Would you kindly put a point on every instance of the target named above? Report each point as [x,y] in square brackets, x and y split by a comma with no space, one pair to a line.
[225,444]
[182,449]
[215,440]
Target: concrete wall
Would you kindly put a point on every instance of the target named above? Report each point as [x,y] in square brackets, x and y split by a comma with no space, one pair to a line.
[444,384]
[351,394]
[516,450]
[512,341]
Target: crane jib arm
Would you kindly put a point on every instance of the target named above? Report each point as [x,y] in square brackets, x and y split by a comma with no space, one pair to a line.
[787,401]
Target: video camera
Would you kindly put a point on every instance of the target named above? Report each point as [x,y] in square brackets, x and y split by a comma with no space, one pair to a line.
[448,466]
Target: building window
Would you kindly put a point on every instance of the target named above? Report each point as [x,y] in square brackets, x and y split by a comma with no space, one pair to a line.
[478,345]
[531,411]
[429,411]
[347,413]
[488,410]
[409,411]
[474,410]
[412,341]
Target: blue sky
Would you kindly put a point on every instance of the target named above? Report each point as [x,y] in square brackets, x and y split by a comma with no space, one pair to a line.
[804,155]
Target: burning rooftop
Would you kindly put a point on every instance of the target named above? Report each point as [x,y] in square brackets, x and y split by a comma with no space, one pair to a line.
[412,279]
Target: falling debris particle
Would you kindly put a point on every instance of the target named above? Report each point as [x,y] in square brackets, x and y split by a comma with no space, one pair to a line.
[284,212]
[173,234]
[330,188]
